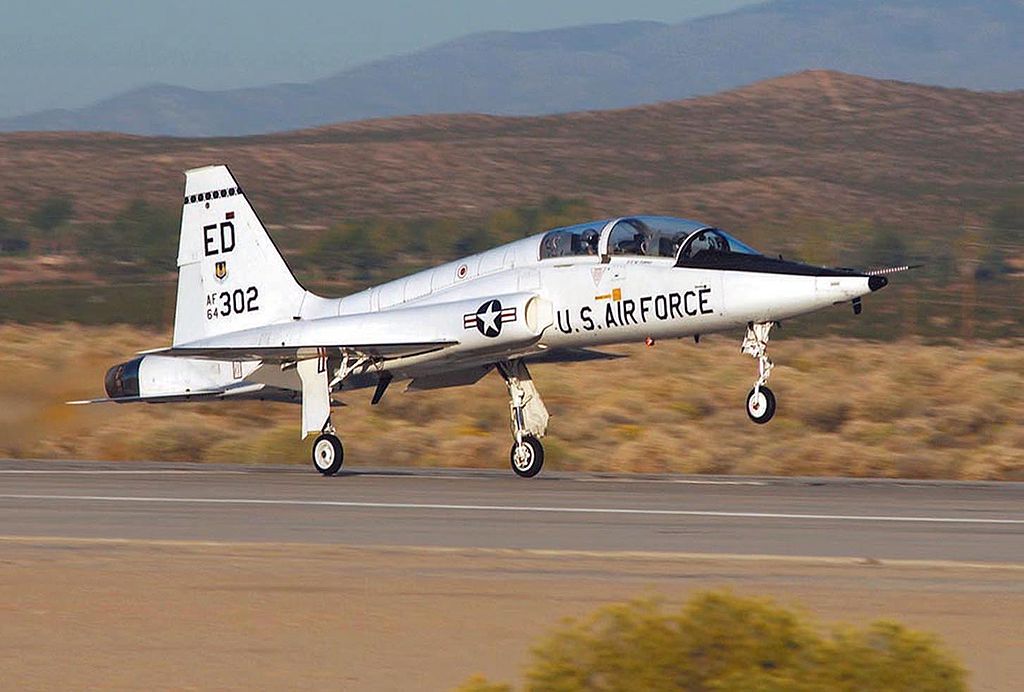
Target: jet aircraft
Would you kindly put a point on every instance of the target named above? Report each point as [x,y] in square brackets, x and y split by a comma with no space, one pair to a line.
[244,328]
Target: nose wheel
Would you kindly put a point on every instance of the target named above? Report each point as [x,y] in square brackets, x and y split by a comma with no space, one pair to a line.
[328,454]
[761,405]
[527,457]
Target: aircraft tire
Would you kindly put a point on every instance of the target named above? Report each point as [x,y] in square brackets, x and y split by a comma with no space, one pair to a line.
[531,460]
[328,454]
[761,408]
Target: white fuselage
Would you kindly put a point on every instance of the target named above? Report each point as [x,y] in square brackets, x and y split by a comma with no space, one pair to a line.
[549,304]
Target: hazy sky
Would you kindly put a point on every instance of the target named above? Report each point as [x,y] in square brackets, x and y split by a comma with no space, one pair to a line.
[67,53]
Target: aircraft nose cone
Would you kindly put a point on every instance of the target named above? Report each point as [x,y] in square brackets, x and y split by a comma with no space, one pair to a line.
[877,282]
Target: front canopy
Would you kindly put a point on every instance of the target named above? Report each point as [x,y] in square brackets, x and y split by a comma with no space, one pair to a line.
[709,241]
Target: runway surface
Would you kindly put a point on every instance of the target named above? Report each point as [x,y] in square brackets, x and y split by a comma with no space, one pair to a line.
[891,520]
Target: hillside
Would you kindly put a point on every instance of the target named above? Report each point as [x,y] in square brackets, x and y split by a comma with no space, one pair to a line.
[958,43]
[811,145]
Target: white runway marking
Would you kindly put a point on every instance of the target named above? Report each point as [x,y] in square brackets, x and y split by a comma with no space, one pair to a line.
[104,472]
[515,508]
[673,481]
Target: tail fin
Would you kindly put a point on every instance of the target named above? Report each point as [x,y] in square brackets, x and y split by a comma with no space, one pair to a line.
[231,276]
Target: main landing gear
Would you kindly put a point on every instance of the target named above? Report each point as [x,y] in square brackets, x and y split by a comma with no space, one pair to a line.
[328,453]
[760,400]
[529,419]
[315,373]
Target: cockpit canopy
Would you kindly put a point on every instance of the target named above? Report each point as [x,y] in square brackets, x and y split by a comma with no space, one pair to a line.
[713,240]
[649,236]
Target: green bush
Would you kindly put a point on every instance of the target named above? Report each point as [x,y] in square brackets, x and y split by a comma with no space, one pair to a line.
[52,212]
[885,248]
[478,683]
[720,641]
[352,246]
[1009,217]
[141,238]
[12,238]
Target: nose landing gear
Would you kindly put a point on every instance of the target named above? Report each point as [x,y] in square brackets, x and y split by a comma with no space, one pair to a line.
[760,400]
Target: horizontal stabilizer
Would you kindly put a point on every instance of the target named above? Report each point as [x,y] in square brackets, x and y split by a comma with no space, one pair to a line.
[220,393]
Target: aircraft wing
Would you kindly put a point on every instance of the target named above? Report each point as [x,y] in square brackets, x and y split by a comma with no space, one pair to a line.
[290,354]
[571,355]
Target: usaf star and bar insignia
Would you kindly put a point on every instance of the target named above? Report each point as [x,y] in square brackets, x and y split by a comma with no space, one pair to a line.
[489,317]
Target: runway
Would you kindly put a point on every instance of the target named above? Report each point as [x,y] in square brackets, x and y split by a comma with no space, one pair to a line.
[841,518]
[170,576]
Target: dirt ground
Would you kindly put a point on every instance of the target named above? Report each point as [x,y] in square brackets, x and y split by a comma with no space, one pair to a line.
[86,614]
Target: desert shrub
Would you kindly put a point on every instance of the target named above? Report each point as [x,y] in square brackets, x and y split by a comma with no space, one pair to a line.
[826,415]
[52,212]
[12,238]
[960,425]
[141,238]
[1009,217]
[885,248]
[694,405]
[478,683]
[182,440]
[720,641]
[888,656]
[473,240]
[348,248]
[1001,239]
[509,224]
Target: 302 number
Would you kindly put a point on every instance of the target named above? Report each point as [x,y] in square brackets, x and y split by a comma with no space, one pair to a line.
[235,302]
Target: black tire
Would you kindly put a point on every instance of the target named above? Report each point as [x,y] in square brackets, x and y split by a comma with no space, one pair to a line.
[761,410]
[531,465]
[328,454]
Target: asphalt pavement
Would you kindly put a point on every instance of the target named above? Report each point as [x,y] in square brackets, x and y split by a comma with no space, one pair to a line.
[895,520]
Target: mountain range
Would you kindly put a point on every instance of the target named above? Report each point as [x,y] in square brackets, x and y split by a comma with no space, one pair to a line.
[976,44]
[814,145]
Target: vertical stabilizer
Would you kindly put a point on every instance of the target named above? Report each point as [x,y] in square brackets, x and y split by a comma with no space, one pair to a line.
[231,276]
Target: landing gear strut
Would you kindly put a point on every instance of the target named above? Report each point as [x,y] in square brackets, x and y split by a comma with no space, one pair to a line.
[529,419]
[760,400]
